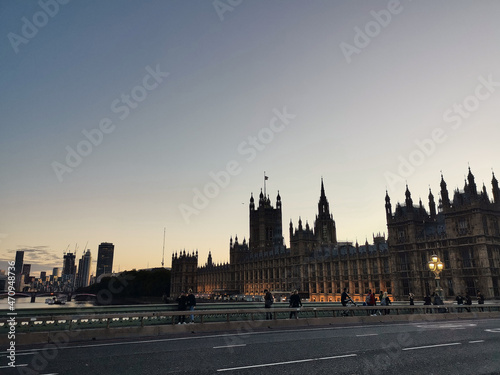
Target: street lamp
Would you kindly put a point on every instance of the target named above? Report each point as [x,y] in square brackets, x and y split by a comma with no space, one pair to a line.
[436,266]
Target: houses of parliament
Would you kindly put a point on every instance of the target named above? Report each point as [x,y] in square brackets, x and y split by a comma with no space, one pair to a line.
[462,230]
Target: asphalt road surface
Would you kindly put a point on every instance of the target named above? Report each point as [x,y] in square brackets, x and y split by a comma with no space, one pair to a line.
[431,347]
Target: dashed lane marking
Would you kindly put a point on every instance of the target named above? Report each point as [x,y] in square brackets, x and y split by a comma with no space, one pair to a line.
[286,363]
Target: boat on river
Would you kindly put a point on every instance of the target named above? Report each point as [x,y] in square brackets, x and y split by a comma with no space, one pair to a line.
[56,301]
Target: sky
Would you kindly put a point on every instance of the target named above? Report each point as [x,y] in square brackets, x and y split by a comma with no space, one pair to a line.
[125,120]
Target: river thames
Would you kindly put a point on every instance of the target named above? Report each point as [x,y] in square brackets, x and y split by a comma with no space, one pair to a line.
[24,303]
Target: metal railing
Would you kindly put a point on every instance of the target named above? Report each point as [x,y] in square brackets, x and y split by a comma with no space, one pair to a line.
[140,319]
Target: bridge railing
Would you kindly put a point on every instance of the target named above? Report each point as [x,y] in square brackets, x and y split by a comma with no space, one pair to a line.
[141,319]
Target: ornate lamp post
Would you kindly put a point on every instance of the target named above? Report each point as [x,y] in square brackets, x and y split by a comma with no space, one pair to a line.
[436,266]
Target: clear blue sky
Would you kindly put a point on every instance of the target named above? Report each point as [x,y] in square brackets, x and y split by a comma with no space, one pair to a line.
[172,91]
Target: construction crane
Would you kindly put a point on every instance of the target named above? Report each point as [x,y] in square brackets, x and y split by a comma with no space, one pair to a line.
[163,256]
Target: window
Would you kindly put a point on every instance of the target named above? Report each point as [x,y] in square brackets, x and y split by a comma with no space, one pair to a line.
[406,286]
[386,265]
[450,287]
[463,226]
[470,286]
[364,267]
[485,225]
[375,267]
[468,258]
[404,264]
[446,259]
[496,292]
[425,261]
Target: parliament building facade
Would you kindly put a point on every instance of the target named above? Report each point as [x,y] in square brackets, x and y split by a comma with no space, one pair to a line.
[463,231]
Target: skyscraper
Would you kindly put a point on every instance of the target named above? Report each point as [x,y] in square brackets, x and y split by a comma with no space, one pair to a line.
[84,270]
[26,273]
[69,269]
[105,258]
[19,267]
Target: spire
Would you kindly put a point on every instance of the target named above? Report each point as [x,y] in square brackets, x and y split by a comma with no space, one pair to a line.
[445,199]
[409,202]
[472,183]
[484,193]
[496,190]
[323,205]
[388,207]
[432,204]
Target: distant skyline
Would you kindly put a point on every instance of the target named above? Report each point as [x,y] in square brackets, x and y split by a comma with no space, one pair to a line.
[120,119]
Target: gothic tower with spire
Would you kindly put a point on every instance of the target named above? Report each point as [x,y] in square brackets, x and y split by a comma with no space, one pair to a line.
[324,225]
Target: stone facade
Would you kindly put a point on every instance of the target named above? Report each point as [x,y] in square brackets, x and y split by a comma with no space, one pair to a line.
[463,232]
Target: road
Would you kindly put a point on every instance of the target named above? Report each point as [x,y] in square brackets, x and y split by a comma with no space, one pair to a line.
[432,347]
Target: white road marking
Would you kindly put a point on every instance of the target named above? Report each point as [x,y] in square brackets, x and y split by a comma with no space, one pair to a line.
[474,342]
[367,334]
[432,346]
[496,330]
[30,353]
[448,325]
[228,346]
[14,366]
[287,363]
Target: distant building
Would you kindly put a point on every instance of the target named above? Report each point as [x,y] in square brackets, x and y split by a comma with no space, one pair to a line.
[55,271]
[105,258]
[84,265]
[18,268]
[3,282]
[69,270]
[26,273]
[43,276]
[464,232]
[315,264]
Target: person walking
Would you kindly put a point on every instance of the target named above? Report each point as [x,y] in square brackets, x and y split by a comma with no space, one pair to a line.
[296,303]
[460,302]
[412,299]
[468,301]
[428,301]
[191,303]
[268,302]
[480,300]
[387,302]
[370,301]
[344,299]
[181,306]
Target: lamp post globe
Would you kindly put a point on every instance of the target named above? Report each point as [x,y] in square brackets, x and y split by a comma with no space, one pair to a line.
[436,266]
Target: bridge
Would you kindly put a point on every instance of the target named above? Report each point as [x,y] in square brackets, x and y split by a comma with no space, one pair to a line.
[91,323]
[68,295]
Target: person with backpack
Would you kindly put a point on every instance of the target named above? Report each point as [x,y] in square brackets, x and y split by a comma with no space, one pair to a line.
[296,303]
[181,306]
[370,301]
